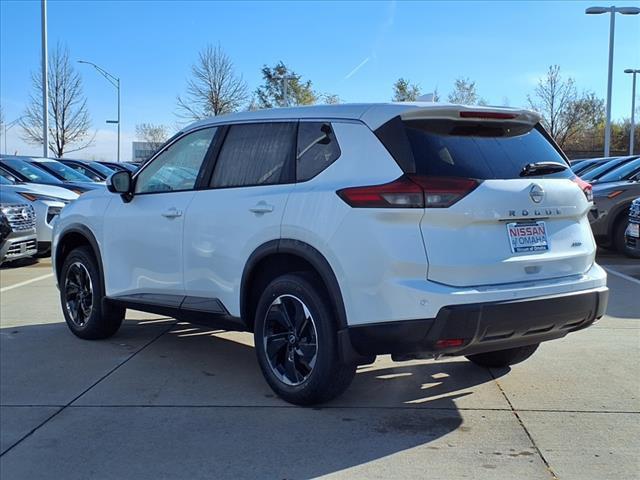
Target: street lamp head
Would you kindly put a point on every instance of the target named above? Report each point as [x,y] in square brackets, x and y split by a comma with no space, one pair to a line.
[597,10]
[631,70]
[628,10]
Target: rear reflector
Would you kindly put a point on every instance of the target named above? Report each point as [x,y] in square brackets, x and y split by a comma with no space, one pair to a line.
[449,342]
[585,187]
[410,191]
[491,115]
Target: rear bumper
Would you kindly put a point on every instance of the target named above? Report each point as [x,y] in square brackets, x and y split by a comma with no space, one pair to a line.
[481,327]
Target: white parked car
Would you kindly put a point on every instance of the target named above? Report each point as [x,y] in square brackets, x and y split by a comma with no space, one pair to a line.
[47,201]
[338,233]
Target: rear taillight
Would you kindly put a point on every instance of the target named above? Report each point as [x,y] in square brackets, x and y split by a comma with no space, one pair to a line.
[410,191]
[585,187]
[488,115]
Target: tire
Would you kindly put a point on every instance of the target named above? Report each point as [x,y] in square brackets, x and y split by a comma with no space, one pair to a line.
[503,358]
[618,240]
[297,349]
[81,298]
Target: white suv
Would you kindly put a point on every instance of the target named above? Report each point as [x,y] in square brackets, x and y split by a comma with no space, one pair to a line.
[338,233]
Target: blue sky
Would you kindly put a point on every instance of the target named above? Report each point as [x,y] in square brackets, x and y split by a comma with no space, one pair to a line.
[353,49]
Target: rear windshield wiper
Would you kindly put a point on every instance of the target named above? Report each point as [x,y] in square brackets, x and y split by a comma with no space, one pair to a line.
[542,168]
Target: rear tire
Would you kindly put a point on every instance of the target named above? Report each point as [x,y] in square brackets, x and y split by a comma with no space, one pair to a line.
[82,295]
[503,358]
[618,241]
[296,342]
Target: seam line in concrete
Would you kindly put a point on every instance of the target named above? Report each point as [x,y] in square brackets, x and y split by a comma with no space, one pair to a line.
[526,431]
[26,282]
[337,407]
[64,407]
[621,275]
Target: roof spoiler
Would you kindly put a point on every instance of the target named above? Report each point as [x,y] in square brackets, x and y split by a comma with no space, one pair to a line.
[462,113]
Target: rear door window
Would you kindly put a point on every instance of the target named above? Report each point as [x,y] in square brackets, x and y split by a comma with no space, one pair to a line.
[317,149]
[256,154]
[481,150]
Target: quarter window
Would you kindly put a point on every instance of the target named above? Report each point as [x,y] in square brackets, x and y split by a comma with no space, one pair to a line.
[317,149]
[255,154]
[177,167]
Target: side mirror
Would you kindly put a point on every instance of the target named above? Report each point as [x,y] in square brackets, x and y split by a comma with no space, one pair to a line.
[121,182]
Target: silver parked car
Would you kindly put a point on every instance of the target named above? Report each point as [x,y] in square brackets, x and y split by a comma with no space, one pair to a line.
[612,197]
[46,200]
[18,219]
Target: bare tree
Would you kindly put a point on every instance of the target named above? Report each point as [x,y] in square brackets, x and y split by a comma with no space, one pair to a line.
[69,120]
[464,93]
[403,91]
[564,112]
[214,88]
[154,135]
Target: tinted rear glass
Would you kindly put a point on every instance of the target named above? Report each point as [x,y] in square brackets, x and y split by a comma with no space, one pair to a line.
[256,154]
[482,150]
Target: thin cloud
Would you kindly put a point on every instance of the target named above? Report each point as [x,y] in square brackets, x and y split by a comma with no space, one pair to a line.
[355,70]
[383,29]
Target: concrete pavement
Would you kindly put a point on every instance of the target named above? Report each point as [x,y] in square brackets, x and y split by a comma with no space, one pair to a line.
[168,400]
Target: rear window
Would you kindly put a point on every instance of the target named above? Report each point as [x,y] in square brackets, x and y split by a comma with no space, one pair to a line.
[623,172]
[64,172]
[601,170]
[481,150]
[29,172]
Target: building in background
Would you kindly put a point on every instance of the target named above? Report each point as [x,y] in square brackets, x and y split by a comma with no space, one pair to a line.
[142,151]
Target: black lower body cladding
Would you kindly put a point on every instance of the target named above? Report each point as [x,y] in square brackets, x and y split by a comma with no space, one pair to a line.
[482,327]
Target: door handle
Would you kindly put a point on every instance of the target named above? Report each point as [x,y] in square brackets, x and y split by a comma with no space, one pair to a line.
[261,207]
[172,213]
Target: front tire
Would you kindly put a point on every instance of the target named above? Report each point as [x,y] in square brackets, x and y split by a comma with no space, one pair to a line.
[296,342]
[503,358]
[81,298]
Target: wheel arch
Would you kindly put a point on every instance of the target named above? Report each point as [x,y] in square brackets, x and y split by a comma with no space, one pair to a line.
[278,257]
[617,213]
[73,237]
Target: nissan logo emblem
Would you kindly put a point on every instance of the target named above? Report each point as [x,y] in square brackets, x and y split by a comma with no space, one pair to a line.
[536,193]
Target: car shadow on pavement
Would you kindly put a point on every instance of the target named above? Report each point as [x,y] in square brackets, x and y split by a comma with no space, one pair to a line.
[193,403]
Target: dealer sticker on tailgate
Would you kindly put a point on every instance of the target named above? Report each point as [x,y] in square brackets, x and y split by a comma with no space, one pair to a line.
[528,237]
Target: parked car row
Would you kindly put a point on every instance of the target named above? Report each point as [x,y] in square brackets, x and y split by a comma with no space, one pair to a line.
[33,192]
[616,183]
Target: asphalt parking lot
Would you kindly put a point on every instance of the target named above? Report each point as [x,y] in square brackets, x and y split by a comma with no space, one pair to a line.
[169,400]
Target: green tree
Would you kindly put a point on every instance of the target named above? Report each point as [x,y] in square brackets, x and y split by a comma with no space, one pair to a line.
[465,93]
[404,91]
[271,93]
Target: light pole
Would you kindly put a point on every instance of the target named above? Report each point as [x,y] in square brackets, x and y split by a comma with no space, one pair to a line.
[7,127]
[633,107]
[285,88]
[612,26]
[45,82]
[115,81]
